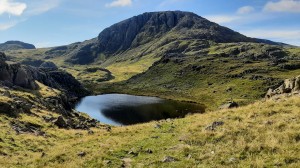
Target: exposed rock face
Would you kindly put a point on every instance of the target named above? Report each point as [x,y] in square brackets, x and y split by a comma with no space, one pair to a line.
[15,45]
[291,86]
[25,76]
[147,27]
[143,28]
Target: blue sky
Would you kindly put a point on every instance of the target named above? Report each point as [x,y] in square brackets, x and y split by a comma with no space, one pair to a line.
[47,23]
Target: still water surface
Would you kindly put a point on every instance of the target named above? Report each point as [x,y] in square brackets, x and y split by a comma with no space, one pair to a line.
[122,109]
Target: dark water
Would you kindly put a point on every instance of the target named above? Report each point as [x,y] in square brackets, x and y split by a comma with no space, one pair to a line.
[121,109]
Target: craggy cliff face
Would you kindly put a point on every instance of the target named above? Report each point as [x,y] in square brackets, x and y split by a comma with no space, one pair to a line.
[25,76]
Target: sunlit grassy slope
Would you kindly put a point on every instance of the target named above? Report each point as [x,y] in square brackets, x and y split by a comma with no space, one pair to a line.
[263,134]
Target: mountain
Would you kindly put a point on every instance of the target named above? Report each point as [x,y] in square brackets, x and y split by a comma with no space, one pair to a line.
[149,27]
[175,55]
[15,45]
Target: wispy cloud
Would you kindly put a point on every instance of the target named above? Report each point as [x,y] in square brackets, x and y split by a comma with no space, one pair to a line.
[33,7]
[283,6]
[245,10]
[5,26]
[11,7]
[290,36]
[37,7]
[119,3]
[239,15]
[221,19]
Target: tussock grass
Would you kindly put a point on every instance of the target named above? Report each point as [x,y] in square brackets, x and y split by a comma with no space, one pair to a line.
[263,134]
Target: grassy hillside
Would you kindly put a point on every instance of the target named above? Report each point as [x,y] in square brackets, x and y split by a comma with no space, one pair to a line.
[263,134]
[212,75]
[192,70]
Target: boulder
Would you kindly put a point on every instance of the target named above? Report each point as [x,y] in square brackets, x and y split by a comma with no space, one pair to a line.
[60,122]
[214,125]
[229,105]
[167,159]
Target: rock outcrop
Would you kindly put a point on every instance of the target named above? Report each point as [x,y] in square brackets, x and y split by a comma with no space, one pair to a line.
[25,77]
[290,86]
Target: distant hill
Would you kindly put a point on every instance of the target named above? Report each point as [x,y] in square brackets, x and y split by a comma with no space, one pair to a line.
[15,45]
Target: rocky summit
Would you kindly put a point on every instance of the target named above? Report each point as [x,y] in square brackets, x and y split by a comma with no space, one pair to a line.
[148,27]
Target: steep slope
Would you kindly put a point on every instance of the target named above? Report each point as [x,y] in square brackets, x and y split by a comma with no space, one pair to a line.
[15,45]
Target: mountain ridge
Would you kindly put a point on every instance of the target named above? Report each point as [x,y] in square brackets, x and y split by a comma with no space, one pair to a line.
[148,27]
[15,45]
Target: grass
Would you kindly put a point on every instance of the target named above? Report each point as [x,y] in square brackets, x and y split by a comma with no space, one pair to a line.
[263,134]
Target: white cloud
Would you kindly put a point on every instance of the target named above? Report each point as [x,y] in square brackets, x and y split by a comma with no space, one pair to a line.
[283,6]
[5,26]
[11,7]
[119,3]
[283,35]
[37,7]
[221,19]
[245,10]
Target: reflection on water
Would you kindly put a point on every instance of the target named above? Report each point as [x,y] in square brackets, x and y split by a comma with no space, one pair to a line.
[121,109]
